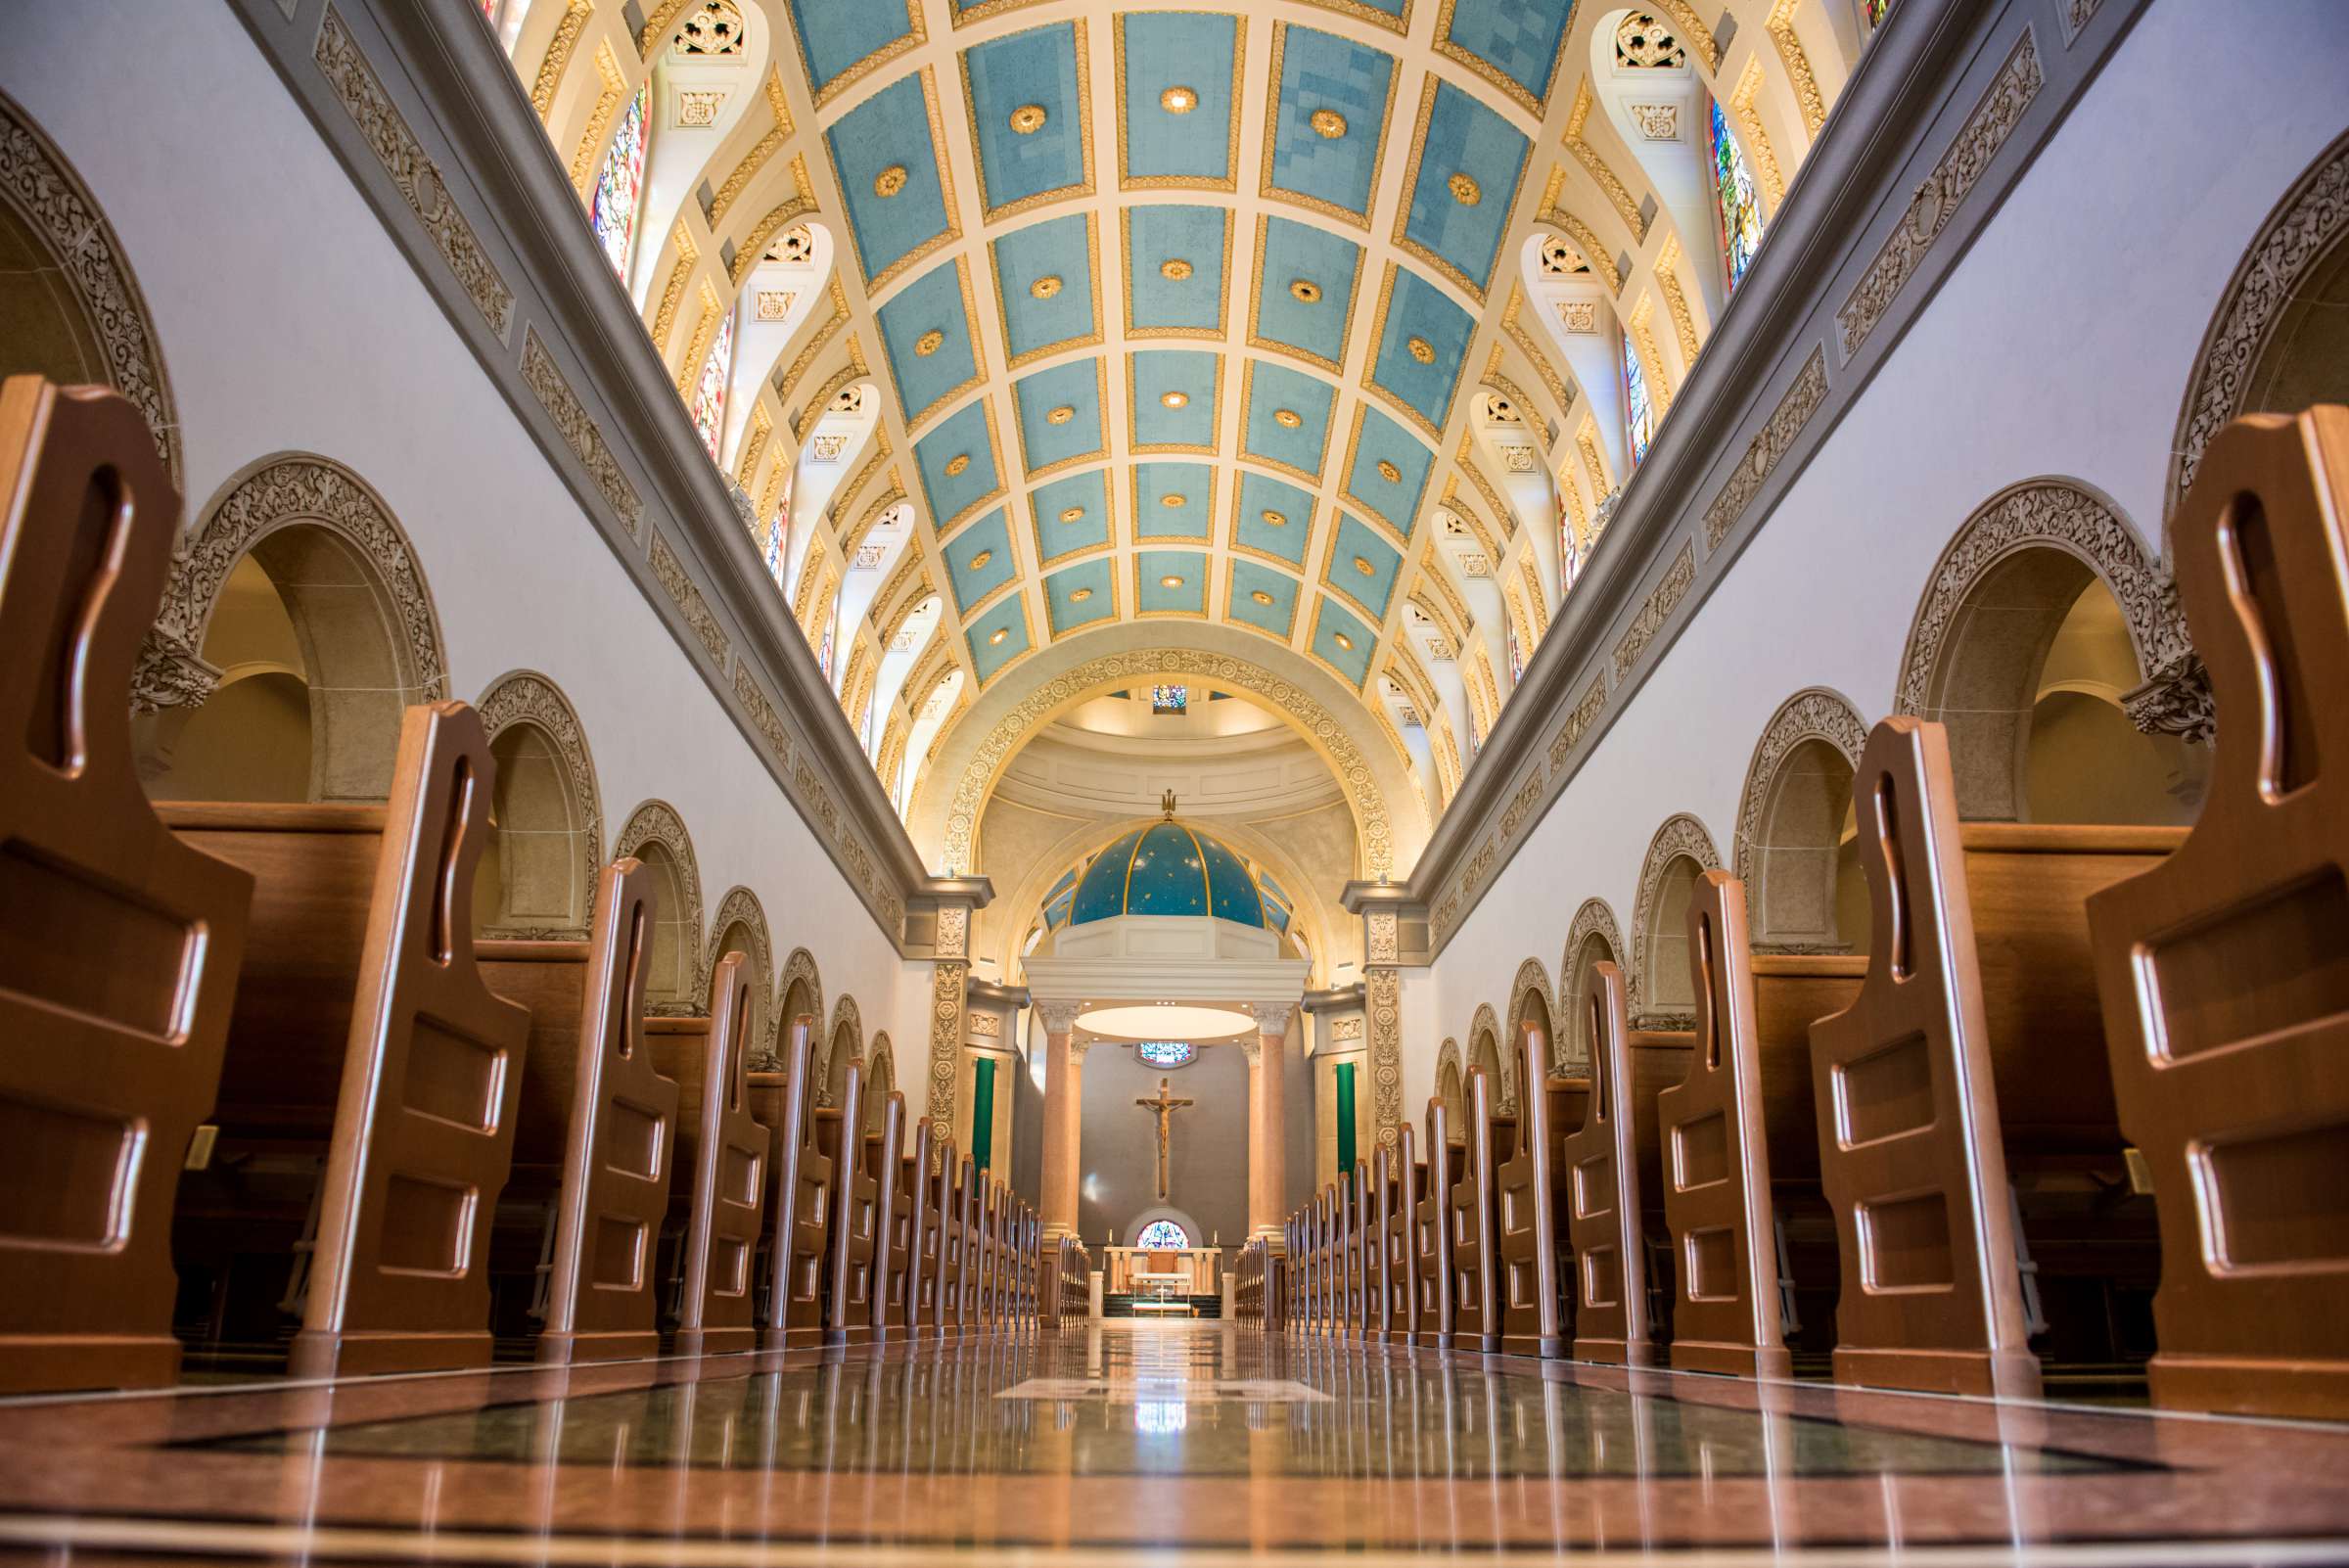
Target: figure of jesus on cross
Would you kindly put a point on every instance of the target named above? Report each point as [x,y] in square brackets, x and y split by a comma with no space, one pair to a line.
[1166,1105]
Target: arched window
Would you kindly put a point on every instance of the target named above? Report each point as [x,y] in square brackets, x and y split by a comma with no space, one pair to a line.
[1735,205]
[1162,1235]
[1165,1053]
[1874,12]
[619,184]
[1516,648]
[1638,413]
[778,528]
[709,392]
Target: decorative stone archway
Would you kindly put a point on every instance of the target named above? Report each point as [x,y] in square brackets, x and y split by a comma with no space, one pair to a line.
[1530,987]
[1659,936]
[1489,1049]
[1450,1085]
[1772,850]
[848,1024]
[654,831]
[739,912]
[527,701]
[1593,929]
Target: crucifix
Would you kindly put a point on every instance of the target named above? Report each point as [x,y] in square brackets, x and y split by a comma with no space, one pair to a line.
[1166,1105]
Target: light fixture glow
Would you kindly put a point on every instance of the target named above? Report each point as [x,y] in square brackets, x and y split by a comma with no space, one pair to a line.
[1165,1021]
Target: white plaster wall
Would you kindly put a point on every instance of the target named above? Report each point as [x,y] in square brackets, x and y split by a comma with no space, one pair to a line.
[2061,345]
[288,320]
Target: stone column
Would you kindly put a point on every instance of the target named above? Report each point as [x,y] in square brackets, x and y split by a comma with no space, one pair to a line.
[1268,1132]
[1064,1117]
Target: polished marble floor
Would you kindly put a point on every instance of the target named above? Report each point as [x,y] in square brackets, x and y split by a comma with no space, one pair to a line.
[1200,1441]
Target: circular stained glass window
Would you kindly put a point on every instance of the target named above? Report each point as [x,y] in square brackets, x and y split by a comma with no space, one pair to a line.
[1166,1052]
[1163,1235]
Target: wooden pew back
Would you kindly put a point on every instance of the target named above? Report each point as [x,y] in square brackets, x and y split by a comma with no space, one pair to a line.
[1403,1256]
[119,943]
[805,1192]
[1533,1249]
[730,1167]
[1474,1204]
[1600,1167]
[1431,1239]
[855,1216]
[884,1155]
[2223,972]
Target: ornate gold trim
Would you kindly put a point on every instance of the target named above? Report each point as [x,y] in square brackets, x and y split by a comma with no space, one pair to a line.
[1507,84]
[1378,161]
[1256,308]
[1229,184]
[557,59]
[1214,334]
[1091,340]
[1086,184]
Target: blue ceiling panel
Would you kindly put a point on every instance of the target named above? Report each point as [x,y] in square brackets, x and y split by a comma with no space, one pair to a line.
[1155,595]
[1082,594]
[1469,143]
[988,655]
[1193,242]
[1425,345]
[1286,422]
[1516,39]
[1008,82]
[1060,415]
[1045,287]
[956,460]
[1057,533]
[836,36]
[883,144]
[1191,379]
[1380,447]
[979,560]
[1363,566]
[1262,598]
[1322,74]
[1161,51]
[1342,640]
[1271,517]
[1173,500]
[1330,265]
[930,303]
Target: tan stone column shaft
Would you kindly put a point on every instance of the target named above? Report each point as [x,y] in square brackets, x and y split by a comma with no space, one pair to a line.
[1267,1174]
[1064,1113]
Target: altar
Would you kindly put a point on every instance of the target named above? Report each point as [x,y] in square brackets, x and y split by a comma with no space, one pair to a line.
[1168,1272]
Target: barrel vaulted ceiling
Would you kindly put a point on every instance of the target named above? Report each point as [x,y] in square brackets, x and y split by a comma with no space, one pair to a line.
[1193,326]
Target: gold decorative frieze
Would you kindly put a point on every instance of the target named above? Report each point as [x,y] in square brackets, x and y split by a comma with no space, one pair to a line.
[580,432]
[763,712]
[1771,442]
[686,595]
[557,59]
[1663,598]
[1780,27]
[1578,723]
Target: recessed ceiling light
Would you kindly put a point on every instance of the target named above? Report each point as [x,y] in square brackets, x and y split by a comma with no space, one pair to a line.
[956,464]
[1328,123]
[1389,472]
[1045,287]
[1174,498]
[1342,640]
[1422,350]
[1306,291]
[1175,269]
[1174,399]
[1029,118]
[1070,514]
[1261,596]
[928,342]
[1170,581]
[1465,190]
[1178,100]
[890,181]
[1079,595]
[982,559]
[1061,415]
[1277,518]
[1288,418]
[998,635]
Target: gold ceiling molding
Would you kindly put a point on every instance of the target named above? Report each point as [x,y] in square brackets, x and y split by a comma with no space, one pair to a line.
[1025,121]
[1465,458]
[762,425]
[1642,329]
[557,59]
[1757,140]
[1596,166]
[1229,182]
[913,38]
[705,328]
[1585,441]
[1378,163]
[598,133]
[761,151]
[953,232]
[1584,238]
[822,335]
[656,27]
[1692,32]
[891,495]
[1780,27]
[1513,327]
[673,293]
[1401,239]
[1668,280]
[862,477]
[894,595]
[1326,734]
[802,204]
[1455,617]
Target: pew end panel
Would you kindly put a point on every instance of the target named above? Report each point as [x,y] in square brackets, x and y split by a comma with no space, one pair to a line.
[1600,1172]
[729,1154]
[801,1198]
[2223,972]
[856,1216]
[1431,1240]
[119,943]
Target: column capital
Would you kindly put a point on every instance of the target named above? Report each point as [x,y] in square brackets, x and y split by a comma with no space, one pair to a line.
[1273,1018]
[1059,1017]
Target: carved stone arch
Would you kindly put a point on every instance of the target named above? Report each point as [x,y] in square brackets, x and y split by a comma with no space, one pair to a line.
[1592,935]
[800,990]
[111,338]
[539,877]
[1789,849]
[843,1043]
[289,539]
[739,924]
[1489,1049]
[880,1081]
[1452,1083]
[679,984]
[1661,995]
[1992,607]
[2297,264]
[1531,1000]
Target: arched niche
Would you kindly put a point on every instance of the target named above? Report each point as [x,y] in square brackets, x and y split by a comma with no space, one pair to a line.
[538,876]
[69,307]
[677,983]
[800,994]
[879,1082]
[1451,1088]
[739,925]
[843,1043]
[1662,994]
[1797,847]
[1484,1050]
[2279,339]
[1594,938]
[295,629]
[1532,1008]
[2046,593]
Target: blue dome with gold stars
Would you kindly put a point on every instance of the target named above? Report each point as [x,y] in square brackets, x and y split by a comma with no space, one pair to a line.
[1167,868]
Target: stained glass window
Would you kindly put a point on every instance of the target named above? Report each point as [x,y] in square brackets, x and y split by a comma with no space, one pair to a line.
[1166,1052]
[778,529]
[1734,202]
[1639,415]
[1875,11]
[620,185]
[1162,1235]
[1169,699]
[1516,649]
[709,392]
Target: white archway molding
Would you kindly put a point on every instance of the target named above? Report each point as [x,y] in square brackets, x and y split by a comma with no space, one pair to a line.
[1390,822]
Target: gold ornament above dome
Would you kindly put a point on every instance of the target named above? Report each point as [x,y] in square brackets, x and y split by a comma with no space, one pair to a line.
[1422,350]
[1166,804]
[890,181]
[1465,190]
[1029,118]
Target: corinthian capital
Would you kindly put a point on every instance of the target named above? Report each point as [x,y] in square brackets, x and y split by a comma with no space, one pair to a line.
[1060,1017]
[1273,1018]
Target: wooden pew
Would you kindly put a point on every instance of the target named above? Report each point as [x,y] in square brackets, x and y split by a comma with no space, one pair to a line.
[1432,1233]
[1473,1204]
[804,1193]
[1345,1225]
[2223,971]
[918,1273]
[1599,1165]
[1532,1245]
[1972,1050]
[119,943]
[855,1220]
[729,1155]
[361,938]
[1715,1160]
[1363,1250]
[1401,1268]
[970,1207]
[1327,1286]
[952,1240]
[885,1154]
[1377,1209]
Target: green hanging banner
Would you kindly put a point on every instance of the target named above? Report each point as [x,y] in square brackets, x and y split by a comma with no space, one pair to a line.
[1345,1071]
[983,1111]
